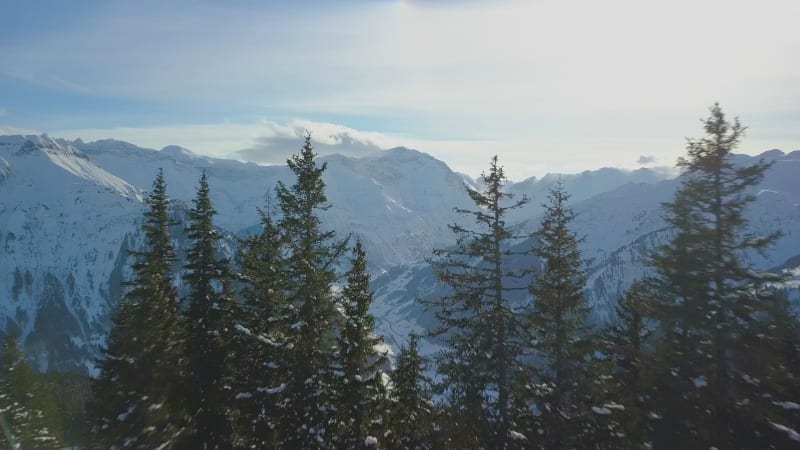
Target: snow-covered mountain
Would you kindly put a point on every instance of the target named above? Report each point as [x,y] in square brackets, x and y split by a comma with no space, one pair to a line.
[397,202]
[70,211]
[64,224]
[620,227]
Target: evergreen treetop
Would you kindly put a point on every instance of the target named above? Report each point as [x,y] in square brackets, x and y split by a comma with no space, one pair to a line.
[136,388]
[478,323]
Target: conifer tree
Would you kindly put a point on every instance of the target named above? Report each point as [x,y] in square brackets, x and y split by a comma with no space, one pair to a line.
[412,415]
[625,344]
[559,329]
[358,376]
[770,352]
[22,423]
[135,401]
[210,314]
[260,337]
[707,301]
[312,256]
[477,322]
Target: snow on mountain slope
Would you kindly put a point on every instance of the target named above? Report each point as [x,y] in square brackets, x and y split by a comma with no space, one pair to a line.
[398,202]
[64,225]
[580,186]
[236,188]
[69,211]
[621,227]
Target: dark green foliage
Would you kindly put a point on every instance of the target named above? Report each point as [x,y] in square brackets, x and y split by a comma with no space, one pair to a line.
[770,350]
[560,334]
[477,323]
[69,393]
[412,412]
[23,423]
[312,255]
[211,311]
[358,376]
[135,392]
[625,345]
[260,355]
[707,301]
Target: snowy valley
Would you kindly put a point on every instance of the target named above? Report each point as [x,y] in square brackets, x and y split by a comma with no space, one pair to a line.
[70,212]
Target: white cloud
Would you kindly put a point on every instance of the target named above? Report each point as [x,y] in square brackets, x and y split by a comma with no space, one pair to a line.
[6,130]
[276,142]
[548,85]
[646,159]
[264,142]
[471,60]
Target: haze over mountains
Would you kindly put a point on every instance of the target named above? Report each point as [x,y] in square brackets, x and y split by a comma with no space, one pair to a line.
[70,212]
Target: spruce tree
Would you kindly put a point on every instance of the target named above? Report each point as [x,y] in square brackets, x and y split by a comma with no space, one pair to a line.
[135,403]
[770,355]
[625,345]
[261,333]
[211,311]
[559,329]
[22,422]
[478,324]
[358,376]
[412,412]
[311,258]
[707,301]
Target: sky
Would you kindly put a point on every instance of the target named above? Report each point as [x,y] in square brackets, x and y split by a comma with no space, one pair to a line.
[549,86]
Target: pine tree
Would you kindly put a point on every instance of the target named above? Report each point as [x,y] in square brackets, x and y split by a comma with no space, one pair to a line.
[135,402]
[477,322]
[358,376]
[312,255]
[412,415]
[22,423]
[770,355]
[559,329]
[625,344]
[707,301]
[260,337]
[210,315]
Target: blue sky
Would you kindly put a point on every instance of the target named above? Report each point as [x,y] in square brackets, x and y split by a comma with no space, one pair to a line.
[547,85]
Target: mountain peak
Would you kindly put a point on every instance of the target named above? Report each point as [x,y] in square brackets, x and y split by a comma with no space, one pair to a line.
[772,154]
[177,151]
[46,144]
[108,146]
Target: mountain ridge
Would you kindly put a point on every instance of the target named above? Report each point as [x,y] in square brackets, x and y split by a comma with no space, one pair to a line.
[70,211]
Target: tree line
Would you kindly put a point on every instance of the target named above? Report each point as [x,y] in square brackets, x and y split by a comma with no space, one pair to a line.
[283,353]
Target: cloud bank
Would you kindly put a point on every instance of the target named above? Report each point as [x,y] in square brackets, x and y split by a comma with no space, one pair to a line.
[646,159]
[277,142]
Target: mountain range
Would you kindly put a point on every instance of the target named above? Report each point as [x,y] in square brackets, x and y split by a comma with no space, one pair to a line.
[70,213]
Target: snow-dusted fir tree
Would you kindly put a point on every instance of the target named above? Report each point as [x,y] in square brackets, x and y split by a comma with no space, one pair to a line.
[625,345]
[134,399]
[411,417]
[560,334]
[770,351]
[311,257]
[22,422]
[357,377]
[260,337]
[708,298]
[210,319]
[477,323]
